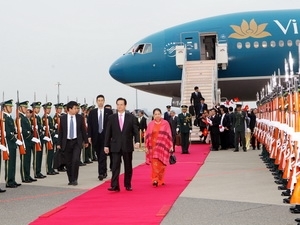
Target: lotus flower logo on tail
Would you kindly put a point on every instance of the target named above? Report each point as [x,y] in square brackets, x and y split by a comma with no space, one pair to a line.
[251,29]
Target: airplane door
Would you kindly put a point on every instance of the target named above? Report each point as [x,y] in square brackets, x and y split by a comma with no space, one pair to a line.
[191,41]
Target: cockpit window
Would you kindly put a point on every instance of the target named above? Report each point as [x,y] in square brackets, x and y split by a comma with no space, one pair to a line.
[140,48]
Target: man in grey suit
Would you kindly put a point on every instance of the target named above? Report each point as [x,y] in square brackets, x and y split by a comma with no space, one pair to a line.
[71,136]
[121,128]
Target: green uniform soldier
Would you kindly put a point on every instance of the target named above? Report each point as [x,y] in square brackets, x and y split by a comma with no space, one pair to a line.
[12,142]
[58,157]
[239,123]
[184,126]
[48,127]
[91,152]
[37,127]
[86,151]
[27,138]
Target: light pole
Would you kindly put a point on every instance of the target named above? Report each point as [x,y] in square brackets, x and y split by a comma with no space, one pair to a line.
[58,84]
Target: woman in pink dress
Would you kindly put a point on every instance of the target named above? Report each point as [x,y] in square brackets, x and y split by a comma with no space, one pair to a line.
[158,147]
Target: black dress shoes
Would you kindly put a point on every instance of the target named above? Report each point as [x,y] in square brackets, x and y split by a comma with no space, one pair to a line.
[26,181]
[32,180]
[1,190]
[297,220]
[82,164]
[56,172]
[155,183]
[74,183]
[40,176]
[235,150]
[11,186]
[51,173]
[17,184]
[100,177]
[62,169]
[116,189]
[128,189]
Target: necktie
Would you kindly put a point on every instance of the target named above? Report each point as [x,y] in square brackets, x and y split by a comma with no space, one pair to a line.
[121,121]
[100,127]
[71,128]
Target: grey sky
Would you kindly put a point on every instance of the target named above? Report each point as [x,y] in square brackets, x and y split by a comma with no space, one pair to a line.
[75,41]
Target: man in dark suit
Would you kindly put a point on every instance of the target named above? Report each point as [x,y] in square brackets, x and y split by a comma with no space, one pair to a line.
[224,128]
[173,124]
[71,136]
[167,113]
[214,129]
[142,122]
[196,96]
[184,126]
[120,130]
[97,122]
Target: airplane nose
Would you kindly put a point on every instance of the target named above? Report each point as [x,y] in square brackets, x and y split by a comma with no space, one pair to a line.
[116,71]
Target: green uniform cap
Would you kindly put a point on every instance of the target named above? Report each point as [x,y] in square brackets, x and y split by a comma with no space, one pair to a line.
[36,105]
[8,102]
[59,105]
[24,104]
[47,105]
[184,107]
[91,107]
[65,105]
[84,106]
[168,106]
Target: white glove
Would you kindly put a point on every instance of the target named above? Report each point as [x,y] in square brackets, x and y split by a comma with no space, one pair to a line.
[3,148]
[46,138]
[20,129]
[248,130]
[56,125]
[56,135]
[18,142]
[44,127]
[190,131]
[4,133]
[35,140]
[177,129]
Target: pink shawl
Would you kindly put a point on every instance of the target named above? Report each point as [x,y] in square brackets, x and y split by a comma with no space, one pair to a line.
[163,143]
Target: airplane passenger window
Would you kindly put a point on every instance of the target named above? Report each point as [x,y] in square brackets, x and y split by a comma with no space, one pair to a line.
[247,45]
[239,45]
[297,42]
[281,43]
[289,43]
[256,44]
[264,44]
[273,44]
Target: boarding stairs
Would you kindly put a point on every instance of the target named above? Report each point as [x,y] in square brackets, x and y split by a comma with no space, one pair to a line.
[202,73]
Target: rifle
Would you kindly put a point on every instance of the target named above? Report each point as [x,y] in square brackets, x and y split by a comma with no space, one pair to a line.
[22,148]
[5,153]
[37,146]
[49,144]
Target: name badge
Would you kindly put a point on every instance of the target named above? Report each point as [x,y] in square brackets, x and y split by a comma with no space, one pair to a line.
[184,124]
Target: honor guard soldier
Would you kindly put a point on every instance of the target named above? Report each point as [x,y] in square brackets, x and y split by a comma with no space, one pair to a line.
[27,138]
[167,115]
[38,136]
[86,151]
[239,124]
[12,142]
[59,163]
[184,126]
[48,127]
[65,111]
[92,152]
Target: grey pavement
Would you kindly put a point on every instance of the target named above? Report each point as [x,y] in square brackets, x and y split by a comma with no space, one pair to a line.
[230,188]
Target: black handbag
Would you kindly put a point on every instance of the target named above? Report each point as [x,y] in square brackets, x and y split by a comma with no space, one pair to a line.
[172,159]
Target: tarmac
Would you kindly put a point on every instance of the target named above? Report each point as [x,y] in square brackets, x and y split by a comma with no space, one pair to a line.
[230,188]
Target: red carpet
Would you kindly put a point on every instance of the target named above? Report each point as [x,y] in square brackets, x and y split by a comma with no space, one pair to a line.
[144,205]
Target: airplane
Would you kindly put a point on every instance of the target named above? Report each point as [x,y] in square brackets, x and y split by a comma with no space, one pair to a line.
[257,45]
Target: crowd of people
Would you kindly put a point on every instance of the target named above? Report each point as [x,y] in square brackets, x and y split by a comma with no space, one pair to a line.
[72,138]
